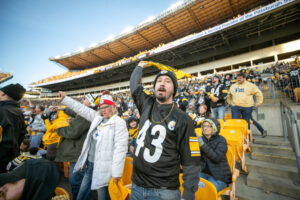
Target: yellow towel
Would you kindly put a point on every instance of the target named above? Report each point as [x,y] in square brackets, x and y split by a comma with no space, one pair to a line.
[179,74]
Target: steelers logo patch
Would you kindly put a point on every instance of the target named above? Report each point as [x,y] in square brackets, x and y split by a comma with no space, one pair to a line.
[171,125]
[164,72]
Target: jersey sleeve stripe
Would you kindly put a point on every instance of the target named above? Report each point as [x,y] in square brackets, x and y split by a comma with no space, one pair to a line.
[194,146]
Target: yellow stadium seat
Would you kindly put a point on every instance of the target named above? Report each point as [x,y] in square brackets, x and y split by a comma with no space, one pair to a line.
[297,94]
[206,190]
[235,139]
[227,116]
[61,191]
[221,121]
[239,123]
[230,191]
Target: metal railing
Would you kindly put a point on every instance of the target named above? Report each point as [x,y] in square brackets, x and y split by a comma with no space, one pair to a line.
[272,89]
[292,132]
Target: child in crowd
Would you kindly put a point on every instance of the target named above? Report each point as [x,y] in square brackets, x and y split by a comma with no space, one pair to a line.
[202,99]
[26,154]
[201,115]
[133,128]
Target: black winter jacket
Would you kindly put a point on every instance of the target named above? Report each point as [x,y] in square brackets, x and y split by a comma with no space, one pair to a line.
[213,158]
[13,131]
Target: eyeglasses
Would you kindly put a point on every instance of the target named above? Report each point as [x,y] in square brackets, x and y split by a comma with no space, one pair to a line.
[104,107]
[206,126]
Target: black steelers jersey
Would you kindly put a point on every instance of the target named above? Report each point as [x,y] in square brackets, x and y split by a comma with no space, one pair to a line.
[165,140]
[295,78]
[227,82]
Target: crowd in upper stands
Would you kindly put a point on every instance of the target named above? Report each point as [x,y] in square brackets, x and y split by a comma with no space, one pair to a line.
[5,76]
[118,63]
[49,124]
[285,76]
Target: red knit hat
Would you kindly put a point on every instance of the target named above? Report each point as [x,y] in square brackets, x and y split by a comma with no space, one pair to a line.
[106,98]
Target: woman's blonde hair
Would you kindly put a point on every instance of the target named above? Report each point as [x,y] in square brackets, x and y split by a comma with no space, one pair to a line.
[113,111]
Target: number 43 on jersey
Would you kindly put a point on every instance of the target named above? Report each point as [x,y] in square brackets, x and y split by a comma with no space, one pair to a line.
[157,143]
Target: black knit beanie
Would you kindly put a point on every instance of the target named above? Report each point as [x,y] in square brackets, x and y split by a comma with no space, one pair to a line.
[15,91]
[172,77]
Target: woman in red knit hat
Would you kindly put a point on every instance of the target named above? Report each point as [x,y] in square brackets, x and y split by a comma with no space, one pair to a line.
[105,147]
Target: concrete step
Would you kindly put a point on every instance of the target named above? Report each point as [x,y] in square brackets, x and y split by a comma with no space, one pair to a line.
[274,158]
[274,184]
[244,192]
[282,170]
[263,148]
[268,101]
[271,140]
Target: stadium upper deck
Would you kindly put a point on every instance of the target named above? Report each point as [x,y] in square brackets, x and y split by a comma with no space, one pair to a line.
[190,17]
[265,26]
[5,77]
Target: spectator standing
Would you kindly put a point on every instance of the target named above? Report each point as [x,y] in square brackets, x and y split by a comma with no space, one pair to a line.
[163,142]
[218,94]
[181,101]
[123,107]
[37,127]
[227,80]
[73,137]
[133,127]
[241,99]
[203,99]
[56,119]
[12,125]
[105,147]
[294,75]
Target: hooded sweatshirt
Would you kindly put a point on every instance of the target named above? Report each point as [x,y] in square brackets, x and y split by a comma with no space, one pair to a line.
[213,154]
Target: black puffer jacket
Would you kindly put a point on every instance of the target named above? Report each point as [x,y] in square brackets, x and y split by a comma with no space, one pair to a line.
[13,131]
[213,156]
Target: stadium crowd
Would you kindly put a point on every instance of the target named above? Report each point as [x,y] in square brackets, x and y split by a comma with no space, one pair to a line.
[95,134]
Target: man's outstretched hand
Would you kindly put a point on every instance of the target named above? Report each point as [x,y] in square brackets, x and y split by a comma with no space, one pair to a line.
[62,95]
[144,64]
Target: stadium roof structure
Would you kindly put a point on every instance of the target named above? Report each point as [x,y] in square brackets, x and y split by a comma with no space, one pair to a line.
[265,26]
[190,17]
[5,77]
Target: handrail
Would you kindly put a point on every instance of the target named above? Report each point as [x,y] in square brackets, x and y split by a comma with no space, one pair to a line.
[272,89]
[283,120]
[286,112]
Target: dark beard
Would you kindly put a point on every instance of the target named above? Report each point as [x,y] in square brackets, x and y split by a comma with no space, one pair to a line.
[161,98]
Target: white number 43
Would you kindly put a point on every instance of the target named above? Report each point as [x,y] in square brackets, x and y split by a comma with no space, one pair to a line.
[140,141]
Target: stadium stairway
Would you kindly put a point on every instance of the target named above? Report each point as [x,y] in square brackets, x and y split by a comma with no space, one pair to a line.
[272,163]
[272,170]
